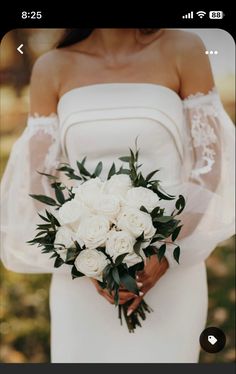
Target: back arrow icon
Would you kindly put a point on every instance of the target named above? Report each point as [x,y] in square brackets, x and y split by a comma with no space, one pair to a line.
[19,49]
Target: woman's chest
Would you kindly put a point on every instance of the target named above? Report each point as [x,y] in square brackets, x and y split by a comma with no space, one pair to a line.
[87,71]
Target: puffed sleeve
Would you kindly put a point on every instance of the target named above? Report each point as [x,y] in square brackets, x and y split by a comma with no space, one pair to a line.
[208,179]
[37,149]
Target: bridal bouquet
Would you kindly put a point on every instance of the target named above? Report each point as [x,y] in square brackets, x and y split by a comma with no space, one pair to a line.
[105,229]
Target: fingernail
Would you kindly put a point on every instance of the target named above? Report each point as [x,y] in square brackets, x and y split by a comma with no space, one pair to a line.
[130,311]
[139,284]
[141,293]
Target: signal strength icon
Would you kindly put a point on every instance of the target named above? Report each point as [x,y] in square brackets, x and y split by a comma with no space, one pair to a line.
[188,15]
[201,13]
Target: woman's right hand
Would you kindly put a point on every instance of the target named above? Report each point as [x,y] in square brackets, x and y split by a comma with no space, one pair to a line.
[124,294]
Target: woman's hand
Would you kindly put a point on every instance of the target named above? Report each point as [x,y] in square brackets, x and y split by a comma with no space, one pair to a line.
[146,279]
[124,294]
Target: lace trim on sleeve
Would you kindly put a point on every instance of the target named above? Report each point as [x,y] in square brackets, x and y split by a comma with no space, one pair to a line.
[200,97]
[204,137]
[202,113]
[48,125]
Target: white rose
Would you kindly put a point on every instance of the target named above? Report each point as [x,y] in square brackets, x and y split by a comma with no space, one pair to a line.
[71,211]
[138,196]
[93,231]
[88,191]
[63,236]
[91,263]
[107,205]
[135,222]
[118,184]
[119,242]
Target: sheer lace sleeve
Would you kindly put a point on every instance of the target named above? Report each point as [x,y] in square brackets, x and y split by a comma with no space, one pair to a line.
[37,149]
[209,179]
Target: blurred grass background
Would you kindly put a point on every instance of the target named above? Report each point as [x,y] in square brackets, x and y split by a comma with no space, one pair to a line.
[24,310]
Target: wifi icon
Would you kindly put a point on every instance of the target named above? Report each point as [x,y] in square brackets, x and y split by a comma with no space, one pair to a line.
[201,13]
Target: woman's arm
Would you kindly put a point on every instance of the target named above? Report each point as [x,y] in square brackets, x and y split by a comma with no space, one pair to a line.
[44,85]
[193,65]
[37,149]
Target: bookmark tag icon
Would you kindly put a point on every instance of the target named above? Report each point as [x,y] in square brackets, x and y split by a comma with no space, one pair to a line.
[212,339]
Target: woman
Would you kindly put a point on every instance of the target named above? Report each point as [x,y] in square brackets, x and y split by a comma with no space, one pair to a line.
[92,96]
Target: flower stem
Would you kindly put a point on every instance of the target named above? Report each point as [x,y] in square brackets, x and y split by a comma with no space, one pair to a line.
[133,321]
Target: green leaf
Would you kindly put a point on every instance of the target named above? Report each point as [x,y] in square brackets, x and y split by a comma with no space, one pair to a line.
[177,254]
[161,252]
[49,215]
[75,273]
[141,181]
[157,237]
[112,171]
[49,245]
[65,167]
[44,226]
[43,218]
[115,275]
[163,196]
[125,158]
[180,204]
[140,237]
[143,209]
[102,284]
[137,246]
[176,233]
[155,187]
[83,170]
[41,233]
[48,175]
[83,161]
[55,221]
[163,219]
[120,258]
[73,176]
[107,269]
[60,196]
[58,262]
[123,171]
[150,250]
[116,295]
[155,211]
[78,248]
[52,219]
[150,175]
[44,199]
[98,170]
[71,254]
[129,282]
[133,158]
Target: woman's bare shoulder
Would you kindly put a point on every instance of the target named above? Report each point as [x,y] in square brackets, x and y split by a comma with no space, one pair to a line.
[44,84]
[192,63]
[187,47]
[49,62]
[181,41]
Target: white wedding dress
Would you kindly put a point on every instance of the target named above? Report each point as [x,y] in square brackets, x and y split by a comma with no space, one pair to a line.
[192,143]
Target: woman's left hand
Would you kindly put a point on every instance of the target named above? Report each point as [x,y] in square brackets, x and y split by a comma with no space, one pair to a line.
[148,277]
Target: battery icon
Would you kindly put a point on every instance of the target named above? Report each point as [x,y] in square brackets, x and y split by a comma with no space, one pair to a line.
[216,14]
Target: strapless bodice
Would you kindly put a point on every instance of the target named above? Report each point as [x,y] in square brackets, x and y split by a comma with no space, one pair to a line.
[102,121]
